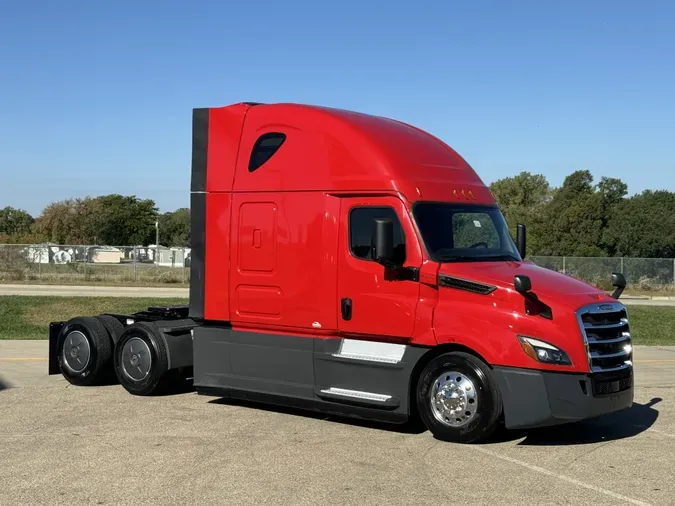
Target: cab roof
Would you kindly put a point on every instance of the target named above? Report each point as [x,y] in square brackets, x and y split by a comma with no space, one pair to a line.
[332,150]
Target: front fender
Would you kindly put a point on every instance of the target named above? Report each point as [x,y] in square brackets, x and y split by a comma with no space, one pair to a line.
[490,326]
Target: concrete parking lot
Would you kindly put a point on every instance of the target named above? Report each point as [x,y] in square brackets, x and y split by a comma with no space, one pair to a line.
[61,444]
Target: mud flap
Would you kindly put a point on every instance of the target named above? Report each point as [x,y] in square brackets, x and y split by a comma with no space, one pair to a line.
[54,331]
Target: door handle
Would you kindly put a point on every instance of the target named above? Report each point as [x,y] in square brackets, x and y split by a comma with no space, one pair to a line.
[346,304]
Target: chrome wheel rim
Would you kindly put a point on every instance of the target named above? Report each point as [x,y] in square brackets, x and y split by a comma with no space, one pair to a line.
[136,359]
[76,352]
[454,399]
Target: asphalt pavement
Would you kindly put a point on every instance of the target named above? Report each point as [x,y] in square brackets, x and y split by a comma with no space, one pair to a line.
[63,444]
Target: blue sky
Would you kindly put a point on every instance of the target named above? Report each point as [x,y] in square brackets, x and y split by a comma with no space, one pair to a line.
[96,97]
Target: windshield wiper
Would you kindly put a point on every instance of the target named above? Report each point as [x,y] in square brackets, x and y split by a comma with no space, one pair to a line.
[500,257]
[469,258]
[458,258]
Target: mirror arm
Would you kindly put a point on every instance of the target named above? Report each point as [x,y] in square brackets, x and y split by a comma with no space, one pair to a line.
[394,272]
[387,264]
[521,240]
[619,283]
[617,293]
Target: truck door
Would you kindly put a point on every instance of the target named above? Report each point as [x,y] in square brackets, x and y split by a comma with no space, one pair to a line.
[371,301]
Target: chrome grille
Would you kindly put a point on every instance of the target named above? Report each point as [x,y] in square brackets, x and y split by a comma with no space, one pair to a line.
[606,333]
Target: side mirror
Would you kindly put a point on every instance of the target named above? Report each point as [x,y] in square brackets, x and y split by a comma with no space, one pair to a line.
[383,242]
[618,282]
[521,240]
[522,284]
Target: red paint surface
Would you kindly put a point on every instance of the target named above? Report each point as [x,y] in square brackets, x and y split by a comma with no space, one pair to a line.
[381,306]
[225,128]
[278,258]
[217,261]
[259,301]
[296,259]
[489,324]
[425,333]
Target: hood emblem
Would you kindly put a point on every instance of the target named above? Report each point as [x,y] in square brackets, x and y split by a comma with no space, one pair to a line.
[605,307]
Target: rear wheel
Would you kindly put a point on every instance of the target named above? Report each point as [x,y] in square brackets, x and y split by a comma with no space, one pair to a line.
[113,326]
[84,351]
[457,398]
[141,361]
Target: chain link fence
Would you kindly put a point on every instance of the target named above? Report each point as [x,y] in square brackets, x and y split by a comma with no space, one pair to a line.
[642,274]
[149,265]
[67,264]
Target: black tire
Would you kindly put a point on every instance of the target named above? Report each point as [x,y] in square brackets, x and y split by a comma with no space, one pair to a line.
[113,326]
[84,351]
[141,361]
[487,409]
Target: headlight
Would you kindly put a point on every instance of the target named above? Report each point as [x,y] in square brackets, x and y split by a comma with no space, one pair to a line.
[543,352]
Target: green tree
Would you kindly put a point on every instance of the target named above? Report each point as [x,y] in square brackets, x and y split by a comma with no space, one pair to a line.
[523,199]
[113,220]
[15,222]
[573,219]
[63,222]
[117,220]
[577,216]
[643,226]
[613,190]
[29,238]
[174,228]
[525,190]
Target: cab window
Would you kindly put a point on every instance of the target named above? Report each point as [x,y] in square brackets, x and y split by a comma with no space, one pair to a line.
[361,229]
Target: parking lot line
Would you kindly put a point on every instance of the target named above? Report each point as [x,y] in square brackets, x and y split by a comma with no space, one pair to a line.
[23,359]
[561,477]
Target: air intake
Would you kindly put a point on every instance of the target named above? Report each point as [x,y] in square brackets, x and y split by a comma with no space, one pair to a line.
[463,284]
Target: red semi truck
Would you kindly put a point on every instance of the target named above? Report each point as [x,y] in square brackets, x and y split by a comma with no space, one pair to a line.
[357,265]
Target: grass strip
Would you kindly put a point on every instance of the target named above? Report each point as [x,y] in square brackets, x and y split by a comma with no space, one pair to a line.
[28,317]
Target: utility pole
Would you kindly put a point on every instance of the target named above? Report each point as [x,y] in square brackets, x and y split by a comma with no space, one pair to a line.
[157,241]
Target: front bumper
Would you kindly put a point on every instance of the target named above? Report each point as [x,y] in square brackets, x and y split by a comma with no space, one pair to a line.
[542,398]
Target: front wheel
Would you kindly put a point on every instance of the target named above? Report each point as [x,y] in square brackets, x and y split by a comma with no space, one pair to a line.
[457,398]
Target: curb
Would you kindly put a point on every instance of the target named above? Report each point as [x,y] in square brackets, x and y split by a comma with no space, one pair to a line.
[647,297]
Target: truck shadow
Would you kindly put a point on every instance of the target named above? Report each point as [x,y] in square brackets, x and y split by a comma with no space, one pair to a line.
[621,425]
[411,427]
[3,385]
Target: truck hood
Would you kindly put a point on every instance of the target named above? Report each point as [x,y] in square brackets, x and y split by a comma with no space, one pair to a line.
[546,284]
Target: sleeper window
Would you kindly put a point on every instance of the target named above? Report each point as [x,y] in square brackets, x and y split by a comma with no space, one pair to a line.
[264,148]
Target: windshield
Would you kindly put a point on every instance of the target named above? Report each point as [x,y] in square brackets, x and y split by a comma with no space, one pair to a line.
[464,232]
